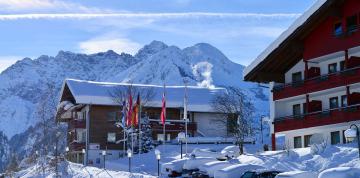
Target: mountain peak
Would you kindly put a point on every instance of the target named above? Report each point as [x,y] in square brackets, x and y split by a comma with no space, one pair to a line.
[151,49]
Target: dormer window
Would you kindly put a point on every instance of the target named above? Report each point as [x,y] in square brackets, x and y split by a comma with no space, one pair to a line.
[338,29]
[351,23]
[296,77]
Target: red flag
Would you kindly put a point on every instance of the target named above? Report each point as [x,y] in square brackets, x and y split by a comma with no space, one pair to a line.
[136,112]
[129,116]
[163,109]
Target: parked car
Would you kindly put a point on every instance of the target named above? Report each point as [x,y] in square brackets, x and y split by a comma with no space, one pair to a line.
[235,171]
[340,172]
[192,165]
[173,168]
[297,174]
[206,153]
[260,174]
[208,169]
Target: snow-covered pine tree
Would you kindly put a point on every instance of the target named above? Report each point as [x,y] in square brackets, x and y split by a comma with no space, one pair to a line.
[146,135]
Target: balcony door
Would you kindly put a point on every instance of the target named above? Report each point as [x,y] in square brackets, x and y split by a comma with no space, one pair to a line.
[297,142]
[335,137]
[296,110]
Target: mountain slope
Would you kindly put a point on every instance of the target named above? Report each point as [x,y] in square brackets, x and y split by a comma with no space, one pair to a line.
[24,83]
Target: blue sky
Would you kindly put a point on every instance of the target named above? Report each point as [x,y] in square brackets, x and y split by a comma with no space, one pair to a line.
[241,29]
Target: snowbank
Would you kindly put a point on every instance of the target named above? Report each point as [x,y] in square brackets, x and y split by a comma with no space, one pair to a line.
[341,172]
[72,170]
[297,174]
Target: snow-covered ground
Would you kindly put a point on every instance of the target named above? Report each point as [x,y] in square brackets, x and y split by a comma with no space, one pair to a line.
[68,169]
[145,165]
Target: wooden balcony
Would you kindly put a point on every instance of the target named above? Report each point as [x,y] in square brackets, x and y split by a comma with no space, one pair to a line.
[319,118]
[172,126]
[323,82]
[77,124]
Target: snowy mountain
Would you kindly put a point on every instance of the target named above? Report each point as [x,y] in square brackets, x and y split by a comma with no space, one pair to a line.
[22,84]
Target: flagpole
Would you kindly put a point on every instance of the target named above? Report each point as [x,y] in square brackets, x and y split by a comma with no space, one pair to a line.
[139,122]
[186,119]
[124,141]
[164,122]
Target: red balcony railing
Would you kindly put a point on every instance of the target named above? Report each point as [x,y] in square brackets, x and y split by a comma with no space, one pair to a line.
[341,78]
[319,118]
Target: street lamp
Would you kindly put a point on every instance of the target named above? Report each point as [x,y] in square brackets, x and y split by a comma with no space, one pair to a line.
[104,154]
[67,152]
[129,154]
[181,137]
[351,134]
[83,152]
[157,153]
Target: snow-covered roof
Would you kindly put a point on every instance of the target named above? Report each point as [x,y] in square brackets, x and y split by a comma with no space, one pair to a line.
[99,93]
[274,45]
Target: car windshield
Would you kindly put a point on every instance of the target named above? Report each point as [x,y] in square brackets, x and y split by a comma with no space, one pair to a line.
[247,175]
[268,175]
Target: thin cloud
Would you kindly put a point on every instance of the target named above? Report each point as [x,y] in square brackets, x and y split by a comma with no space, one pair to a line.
[7,61]
[146,15]
[29,6]
[105,43]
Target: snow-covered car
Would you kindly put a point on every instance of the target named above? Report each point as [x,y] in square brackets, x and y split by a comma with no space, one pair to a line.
[206,153]
[231,151]
[235,171]
[173,168]
[208,169]
[340,172]
[297,174]
[260,174]
[192,165]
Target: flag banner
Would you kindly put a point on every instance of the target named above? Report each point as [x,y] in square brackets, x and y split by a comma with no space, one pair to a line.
[129,114]
[135,114]
[123,113]
[163,108]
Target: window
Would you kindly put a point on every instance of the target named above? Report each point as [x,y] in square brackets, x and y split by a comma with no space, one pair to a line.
[296,109]
[343,101]
[335,137]
[333,102]
[351,23]
[112,116]
[338,29]
[307,140]
[332,68]
[296,77]
[80,135]
[111,137]
[342,65]
[297,142]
